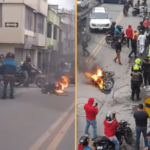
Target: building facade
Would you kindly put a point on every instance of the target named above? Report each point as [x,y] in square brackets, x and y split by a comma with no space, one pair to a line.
[22,28]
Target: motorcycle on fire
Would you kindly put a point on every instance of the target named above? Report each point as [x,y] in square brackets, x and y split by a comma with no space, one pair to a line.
[35,77]
[124,132]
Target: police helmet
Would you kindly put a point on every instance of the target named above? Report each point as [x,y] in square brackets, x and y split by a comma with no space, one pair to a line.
[138,61]
[136,67]
[84,141]
[109,116]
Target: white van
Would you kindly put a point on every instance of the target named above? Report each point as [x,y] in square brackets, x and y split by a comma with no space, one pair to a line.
[82,4]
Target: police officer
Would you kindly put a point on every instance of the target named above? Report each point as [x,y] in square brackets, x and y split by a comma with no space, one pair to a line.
[84,46]
[84,142]
[136,81]
[9,70]
[138,62]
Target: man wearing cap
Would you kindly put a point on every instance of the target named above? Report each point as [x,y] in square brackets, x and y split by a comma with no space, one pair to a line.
[141,125]
[91,112]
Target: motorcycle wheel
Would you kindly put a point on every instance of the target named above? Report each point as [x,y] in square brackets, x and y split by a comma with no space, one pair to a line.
[128,136]
[40,81]
[124,40]
[108,85]
[108,39]
[113,43]
[88,37]
[134,13]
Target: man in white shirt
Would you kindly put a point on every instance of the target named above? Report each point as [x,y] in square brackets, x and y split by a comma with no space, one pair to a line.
[141,42]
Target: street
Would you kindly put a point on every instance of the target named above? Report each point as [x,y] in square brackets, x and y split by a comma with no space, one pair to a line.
[102,55]
[36,121]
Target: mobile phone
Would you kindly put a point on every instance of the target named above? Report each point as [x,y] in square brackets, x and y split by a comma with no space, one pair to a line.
[96,104]
[114,115]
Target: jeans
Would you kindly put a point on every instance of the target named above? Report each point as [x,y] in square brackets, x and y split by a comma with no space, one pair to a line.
[115,141]
[118,57]
[138,134]
[9,79]
[133,51]
[128,40]
[93,124]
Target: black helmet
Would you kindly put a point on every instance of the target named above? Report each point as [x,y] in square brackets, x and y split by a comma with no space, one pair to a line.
[10,55]
[28,58]
[118,26]
[114,23]
[84,141]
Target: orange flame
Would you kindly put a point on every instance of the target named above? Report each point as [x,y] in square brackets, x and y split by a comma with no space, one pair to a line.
[62,85]
[97,77]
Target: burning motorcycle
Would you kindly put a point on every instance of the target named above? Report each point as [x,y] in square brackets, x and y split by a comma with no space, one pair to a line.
[124,132]
[102,79]
[35,77]
[56,88]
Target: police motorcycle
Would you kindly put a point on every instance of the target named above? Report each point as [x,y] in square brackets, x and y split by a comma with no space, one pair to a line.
[115,39]
[123,132]
[35,77]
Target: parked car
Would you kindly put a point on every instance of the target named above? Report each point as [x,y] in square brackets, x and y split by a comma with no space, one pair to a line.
[99,19]
[115,1]
[82,4]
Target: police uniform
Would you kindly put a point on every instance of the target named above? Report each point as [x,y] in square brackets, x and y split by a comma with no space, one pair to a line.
[136,81]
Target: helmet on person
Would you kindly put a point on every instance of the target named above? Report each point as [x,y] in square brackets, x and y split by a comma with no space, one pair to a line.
[84,141]
[138,61]
[10,55]
[114,23]
[28,58]
[109,116]
[136,67]
[146,18]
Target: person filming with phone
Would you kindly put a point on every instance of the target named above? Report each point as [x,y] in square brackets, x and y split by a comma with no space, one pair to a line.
[91,112]
[110,128]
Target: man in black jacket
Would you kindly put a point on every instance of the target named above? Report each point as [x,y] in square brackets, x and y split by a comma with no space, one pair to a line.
[112,28]
[118,51]
[141,125]
[134,46]
[146,72]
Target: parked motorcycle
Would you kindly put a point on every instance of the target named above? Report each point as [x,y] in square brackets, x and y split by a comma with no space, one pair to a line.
[35,77]
[136,11]
[124,132]
[115,39]
[109,37]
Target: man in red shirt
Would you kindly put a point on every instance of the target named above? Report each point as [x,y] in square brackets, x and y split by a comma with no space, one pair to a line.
[146,23]
[129,33]
[110,128]
[91,112]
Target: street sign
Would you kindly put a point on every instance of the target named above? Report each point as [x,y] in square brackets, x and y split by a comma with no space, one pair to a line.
[147,105]
[11,24]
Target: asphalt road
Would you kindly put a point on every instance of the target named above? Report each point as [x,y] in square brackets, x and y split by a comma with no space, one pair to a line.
[33,121]
[102,55]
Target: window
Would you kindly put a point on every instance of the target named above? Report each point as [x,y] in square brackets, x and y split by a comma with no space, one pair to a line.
[49,30]
[55,32]
[99,16]
[29,19]
[40,23]
[0,15]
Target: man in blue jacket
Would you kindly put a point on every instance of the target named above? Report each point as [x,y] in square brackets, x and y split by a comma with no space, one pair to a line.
[9,70]
[118,32]
[84,142]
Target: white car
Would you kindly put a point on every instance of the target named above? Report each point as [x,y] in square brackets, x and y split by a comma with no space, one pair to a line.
[82,4]
[99,19]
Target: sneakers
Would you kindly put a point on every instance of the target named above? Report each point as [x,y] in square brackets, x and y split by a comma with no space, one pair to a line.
[114,60]
[120,63]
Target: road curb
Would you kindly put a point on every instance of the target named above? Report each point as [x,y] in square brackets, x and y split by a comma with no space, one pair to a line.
[89,9]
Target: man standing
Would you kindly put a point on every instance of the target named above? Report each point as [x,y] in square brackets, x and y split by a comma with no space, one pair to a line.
[141,125]
[9,70]
[84,46]
[141,42]
[136,81]
[146,72]
[118,51]
[91,112]
[134,46]
[129,33]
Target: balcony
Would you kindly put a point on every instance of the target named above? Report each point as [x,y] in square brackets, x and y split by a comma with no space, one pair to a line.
[39,40]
